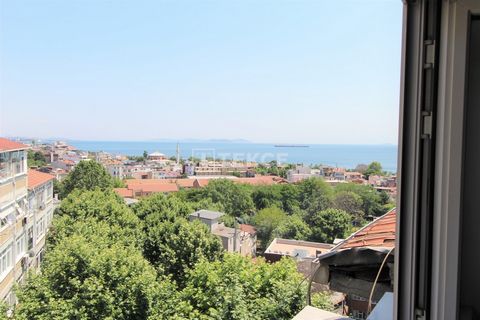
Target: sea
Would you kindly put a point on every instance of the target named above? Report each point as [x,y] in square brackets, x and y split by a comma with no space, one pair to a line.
[347,156]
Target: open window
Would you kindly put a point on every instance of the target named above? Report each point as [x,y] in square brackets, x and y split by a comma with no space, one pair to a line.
[436,274]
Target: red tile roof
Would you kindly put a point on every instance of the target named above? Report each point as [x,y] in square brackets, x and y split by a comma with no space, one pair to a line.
[124,192]
[185,183]
[201,183]
[248,228]
[378,233]
[155,188]
[261,180]
[9,145]
[139,182]
[36,178]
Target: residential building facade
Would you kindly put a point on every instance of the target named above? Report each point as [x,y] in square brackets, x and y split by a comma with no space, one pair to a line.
[242,240]
[26,210]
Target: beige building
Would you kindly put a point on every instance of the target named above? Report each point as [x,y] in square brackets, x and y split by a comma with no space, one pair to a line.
[26,209]
[242,240]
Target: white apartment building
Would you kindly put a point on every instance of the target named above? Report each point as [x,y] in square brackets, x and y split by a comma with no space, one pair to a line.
[26,210]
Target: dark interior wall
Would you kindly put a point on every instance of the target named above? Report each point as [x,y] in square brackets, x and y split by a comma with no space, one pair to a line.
[470,233]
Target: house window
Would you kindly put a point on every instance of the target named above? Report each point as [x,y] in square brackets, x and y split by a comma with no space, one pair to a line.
[4,165]
[20,246]
[6,261]
[359,315]
[30,238]
[40,227]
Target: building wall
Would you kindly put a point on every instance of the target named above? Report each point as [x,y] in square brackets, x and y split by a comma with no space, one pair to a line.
[25,216]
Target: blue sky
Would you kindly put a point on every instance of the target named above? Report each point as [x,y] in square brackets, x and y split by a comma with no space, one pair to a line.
[267,70]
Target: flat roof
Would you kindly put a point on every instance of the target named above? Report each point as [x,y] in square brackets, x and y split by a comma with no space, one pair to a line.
[303,249]
[311,313]
[207,214]
[224,231]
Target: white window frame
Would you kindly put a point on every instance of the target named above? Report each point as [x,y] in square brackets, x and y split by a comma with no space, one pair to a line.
[40,228]
[6,261]
[21,242]
[449,157]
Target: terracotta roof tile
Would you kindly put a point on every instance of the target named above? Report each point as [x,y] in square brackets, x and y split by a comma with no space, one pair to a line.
[124,192]
[201,182]
[185,183]
[154,188]
[248,228]
[378,233]
[36,178]
[260,180]
[9,145]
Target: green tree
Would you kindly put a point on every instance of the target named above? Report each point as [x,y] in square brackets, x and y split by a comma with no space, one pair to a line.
[167,208]
[174,247]
[145,155]
[374,168]
[329,224]
[314,195]
[293,227]
[83,279]
[350,202]
[95,206]
[267,220]
[118,183]
[267,196]
[290,197]
[361,168]
[35,159]
[372,203]
[57,187]
[235,198]
[3,311]
[87,175]
[239,288]
[322,301]
[284,196]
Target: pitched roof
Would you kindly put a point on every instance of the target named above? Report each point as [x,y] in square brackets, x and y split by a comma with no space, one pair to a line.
[248,228]
[9,145]
[201,182]
[124,192]
[136,182]
[185,183]
[153,188]
[378,233]
[36,178]
[260,180]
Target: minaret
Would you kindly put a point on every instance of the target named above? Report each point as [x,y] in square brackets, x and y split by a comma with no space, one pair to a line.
[178,154]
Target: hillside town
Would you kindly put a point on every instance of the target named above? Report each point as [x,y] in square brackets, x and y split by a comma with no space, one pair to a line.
[169,174]
[28,173]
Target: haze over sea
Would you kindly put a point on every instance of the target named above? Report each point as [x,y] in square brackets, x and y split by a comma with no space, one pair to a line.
[341,155]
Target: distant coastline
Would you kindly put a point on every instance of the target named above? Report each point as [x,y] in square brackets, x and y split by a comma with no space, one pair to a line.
[348,156]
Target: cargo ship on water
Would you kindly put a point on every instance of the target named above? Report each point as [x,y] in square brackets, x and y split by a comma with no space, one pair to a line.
[291,146]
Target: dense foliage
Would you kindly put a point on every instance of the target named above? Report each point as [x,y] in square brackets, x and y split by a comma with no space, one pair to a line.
[35,159]
[87,175]
[106,260]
